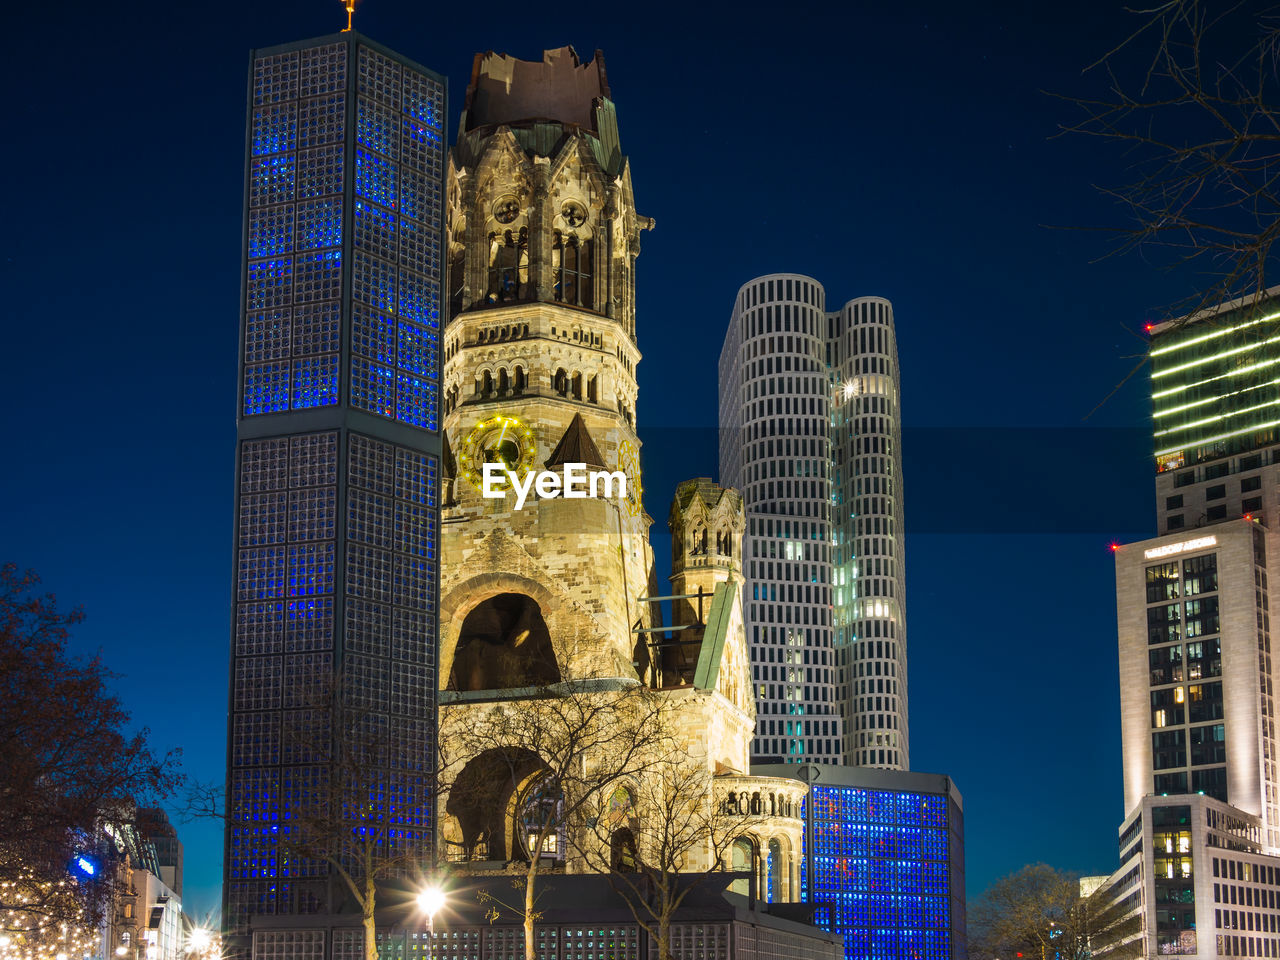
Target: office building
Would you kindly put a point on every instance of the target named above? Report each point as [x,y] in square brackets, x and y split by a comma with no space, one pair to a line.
[1194,621]
[335,562]
[885,849]
[811,434]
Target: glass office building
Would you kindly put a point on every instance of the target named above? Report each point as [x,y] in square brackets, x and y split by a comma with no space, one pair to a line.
[885,851]
[811,434]
[335,567]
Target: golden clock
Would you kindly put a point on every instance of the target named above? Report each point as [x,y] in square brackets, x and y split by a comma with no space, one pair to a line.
[629,464]
[500,439]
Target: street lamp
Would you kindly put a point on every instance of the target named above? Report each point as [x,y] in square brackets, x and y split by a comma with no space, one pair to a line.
[430,900]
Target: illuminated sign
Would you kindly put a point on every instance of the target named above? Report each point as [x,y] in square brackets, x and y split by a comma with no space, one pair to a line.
[1171,549]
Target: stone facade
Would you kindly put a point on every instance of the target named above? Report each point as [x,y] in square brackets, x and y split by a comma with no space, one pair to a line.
[558,595]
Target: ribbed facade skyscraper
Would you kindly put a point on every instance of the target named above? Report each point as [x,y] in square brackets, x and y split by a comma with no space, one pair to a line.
[810,433]
[335,573]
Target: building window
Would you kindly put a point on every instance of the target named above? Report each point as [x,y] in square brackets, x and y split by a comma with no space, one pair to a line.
[571,266]
[1216,492]
[1249,484]
[1173,503]
[508,266]
[1176,522]
[1216,513]
[1184,479]
[1251,504]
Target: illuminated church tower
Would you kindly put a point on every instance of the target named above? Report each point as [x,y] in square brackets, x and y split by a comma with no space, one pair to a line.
[540,359]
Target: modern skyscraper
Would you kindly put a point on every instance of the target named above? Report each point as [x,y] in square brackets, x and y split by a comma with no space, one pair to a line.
[810,433]
[335,573]
[1194,617]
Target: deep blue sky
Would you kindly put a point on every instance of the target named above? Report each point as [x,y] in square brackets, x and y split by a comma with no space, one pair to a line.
[883,148]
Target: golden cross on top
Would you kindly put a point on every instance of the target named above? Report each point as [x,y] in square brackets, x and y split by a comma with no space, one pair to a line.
[351,9]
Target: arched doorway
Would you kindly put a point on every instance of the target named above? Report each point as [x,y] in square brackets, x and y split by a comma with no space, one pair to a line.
[504,644]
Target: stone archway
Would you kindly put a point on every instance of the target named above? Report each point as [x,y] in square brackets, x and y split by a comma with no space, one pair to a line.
[503,644]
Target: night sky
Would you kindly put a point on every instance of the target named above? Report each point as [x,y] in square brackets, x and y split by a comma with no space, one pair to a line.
[903,150]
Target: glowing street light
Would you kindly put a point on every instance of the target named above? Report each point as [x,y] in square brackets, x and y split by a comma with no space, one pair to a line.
[199,940]
[430,900]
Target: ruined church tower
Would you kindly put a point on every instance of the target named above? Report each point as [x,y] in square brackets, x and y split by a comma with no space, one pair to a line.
[552,601]
[539,371]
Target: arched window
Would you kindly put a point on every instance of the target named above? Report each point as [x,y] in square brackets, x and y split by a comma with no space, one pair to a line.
[742,860]
[773,891]
[541,819]
[508,266]
[504,382]
[571,265]
[457,279]
[577,386]
[486,388]
[504,643]
[560,382]
[518,382]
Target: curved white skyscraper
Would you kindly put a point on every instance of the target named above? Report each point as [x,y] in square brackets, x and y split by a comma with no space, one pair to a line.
[810,433]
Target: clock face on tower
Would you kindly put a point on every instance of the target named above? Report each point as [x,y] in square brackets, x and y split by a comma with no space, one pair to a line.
[629,464]
[504,440]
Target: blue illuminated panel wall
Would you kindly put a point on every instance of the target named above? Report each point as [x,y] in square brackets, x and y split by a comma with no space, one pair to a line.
[337,517]
[887,861]
[294,238]
[304,176]
[396,272]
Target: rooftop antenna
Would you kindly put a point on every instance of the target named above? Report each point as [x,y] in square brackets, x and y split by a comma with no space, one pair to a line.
[351,9]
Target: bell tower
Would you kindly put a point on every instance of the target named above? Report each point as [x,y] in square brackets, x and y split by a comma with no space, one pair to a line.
[540,362]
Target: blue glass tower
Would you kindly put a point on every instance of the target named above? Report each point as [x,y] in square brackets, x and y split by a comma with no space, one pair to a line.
[335,567]
[885,851]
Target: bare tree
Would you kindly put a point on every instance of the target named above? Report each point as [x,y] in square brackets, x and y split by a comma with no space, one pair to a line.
[350,801]
[545,758]
[69,764]
[1193,99]
[1039,912]
[657,838]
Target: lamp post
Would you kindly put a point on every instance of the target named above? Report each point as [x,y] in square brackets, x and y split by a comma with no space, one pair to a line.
[430,900]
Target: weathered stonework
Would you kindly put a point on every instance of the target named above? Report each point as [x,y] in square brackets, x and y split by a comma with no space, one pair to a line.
[555,593]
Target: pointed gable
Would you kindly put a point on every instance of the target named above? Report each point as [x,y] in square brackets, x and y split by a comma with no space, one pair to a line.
[576,446]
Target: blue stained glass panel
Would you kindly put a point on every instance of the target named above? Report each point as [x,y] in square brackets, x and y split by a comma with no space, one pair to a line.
[423,100]
[266,388]
[373,336]
[271,231]
[374,283]
[375,230]
[420,197]
[373,387]
[275,129]
[318,276]
[271,180]
[417,401]
[310,569]
[376,128]
[320,223]
[419,350]
[419,299]
[269,284]
[315,382]
[375,178]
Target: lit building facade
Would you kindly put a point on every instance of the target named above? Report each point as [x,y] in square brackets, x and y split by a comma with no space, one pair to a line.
[885,849]
[1201,787]
[811,433]
[335,571]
